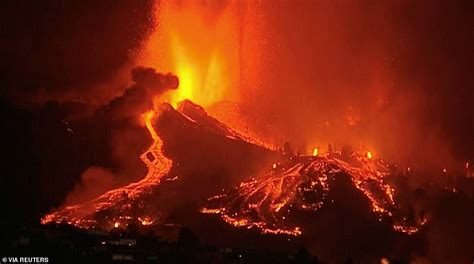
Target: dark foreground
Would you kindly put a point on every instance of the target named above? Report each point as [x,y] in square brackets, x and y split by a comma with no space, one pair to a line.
[68,244]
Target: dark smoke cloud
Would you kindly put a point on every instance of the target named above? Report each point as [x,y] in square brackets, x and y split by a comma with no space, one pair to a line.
[76,147]
[117,124]
[148,84]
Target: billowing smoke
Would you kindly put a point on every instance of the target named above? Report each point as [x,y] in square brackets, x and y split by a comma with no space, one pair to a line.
[118,124]
[147,85]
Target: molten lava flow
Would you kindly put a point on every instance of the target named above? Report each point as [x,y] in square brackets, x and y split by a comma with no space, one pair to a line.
[148,117]
[120,202]
[303,184]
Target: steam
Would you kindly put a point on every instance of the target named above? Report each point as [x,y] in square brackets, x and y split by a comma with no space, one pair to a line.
[94,182]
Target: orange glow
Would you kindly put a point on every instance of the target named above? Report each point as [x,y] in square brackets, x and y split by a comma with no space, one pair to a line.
[203,48]
[213,47]
[315,152]
[369,154]
[145,221]
[158,166]
[202,45]
[266,201]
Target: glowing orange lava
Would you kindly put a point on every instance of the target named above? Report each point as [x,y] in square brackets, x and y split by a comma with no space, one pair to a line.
[266,202]
[82,215]
[202,45]
[148,117]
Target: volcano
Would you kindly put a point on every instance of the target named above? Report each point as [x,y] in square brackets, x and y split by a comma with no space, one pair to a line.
[247,185]
[204,125]
[192,149]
